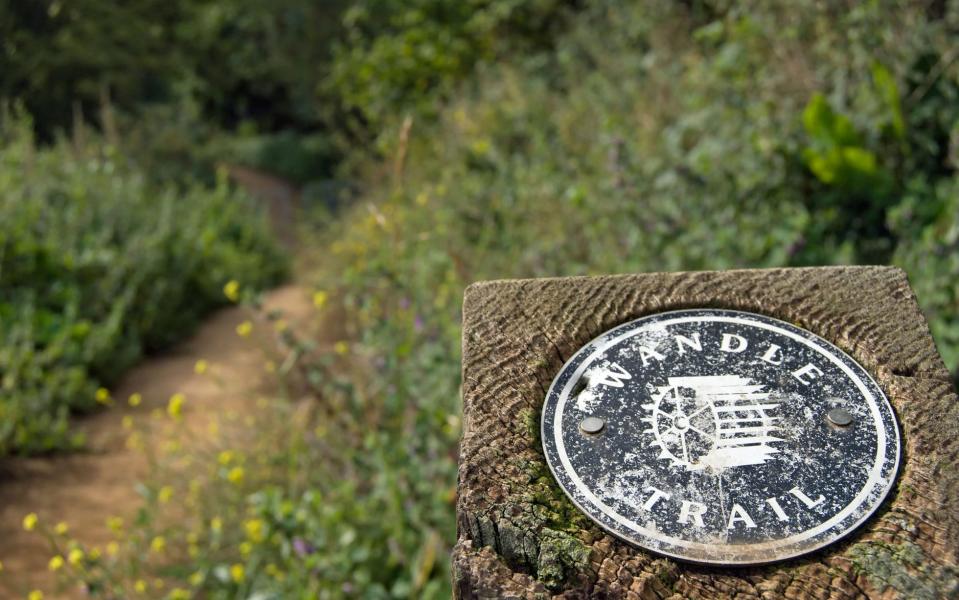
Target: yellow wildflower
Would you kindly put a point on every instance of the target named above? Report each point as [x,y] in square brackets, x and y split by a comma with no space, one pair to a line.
[35,595]
[158,544]
[481,146]
[232,290]
[244,329]
[115,524]
[75,556]
[113,548]
[319,299]
[135,399]
[175,406]
[56,563]
[103,396]
[179,594]
[200,367]
[193,550]
[61,528]
[94,553]
[127,422]
[166,492]
[281,325]
[341,347]
[246,548]
[255,529]
[216,524]
[237,573]
[225,457]
[140,586]
[196,579]
[235,475]
[422,198]
[30,521]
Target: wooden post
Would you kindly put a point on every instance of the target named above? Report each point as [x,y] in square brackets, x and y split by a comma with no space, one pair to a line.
[520,537]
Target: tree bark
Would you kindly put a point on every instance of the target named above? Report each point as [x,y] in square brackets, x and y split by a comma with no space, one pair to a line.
[520,537]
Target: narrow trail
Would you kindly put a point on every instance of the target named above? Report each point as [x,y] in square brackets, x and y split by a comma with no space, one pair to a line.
[84,489]
[282,199]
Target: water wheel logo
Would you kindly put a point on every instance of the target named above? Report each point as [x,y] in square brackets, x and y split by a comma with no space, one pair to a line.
[716,422]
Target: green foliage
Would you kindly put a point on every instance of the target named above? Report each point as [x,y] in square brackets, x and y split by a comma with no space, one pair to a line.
[252,63]
[836,155]
[928,219]
[260,62]
[295,157]
[97,267]
[61,58]
[399,55]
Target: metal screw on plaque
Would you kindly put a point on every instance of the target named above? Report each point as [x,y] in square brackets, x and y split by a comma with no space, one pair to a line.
[592,425]
[839,417]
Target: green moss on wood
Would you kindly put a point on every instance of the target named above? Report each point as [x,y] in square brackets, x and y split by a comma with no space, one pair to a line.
[561,557]
[904,568]
[530,420]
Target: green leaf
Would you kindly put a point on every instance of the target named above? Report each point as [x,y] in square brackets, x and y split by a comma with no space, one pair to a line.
[860,160]
[826,126]
[889,93]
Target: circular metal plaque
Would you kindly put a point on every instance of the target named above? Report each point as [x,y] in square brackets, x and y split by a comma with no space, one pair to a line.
[720,437]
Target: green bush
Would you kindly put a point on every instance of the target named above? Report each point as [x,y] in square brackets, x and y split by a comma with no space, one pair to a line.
[930,254]
[96,268]
[399,56]
[300,159]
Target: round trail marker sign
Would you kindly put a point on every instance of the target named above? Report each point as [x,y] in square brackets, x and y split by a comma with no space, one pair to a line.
[720,437]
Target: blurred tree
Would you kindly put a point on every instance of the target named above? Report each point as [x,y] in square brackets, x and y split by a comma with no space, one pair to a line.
[253,61]
[261,61]
[400,54]
[61,58]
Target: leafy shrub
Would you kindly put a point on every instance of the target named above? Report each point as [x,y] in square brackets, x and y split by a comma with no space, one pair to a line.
[297,158]
[400,55]
[930,254]
[96,267]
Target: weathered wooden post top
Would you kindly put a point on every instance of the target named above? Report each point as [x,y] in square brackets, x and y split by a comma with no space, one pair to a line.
[786,433]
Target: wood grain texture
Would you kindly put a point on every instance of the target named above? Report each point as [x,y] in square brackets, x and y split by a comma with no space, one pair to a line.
[519,537]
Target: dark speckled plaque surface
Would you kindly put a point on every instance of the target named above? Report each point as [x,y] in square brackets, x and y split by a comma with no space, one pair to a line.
[716,446]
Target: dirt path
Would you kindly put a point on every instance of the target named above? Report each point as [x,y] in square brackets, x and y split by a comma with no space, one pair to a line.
[282,199]
[84,489]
